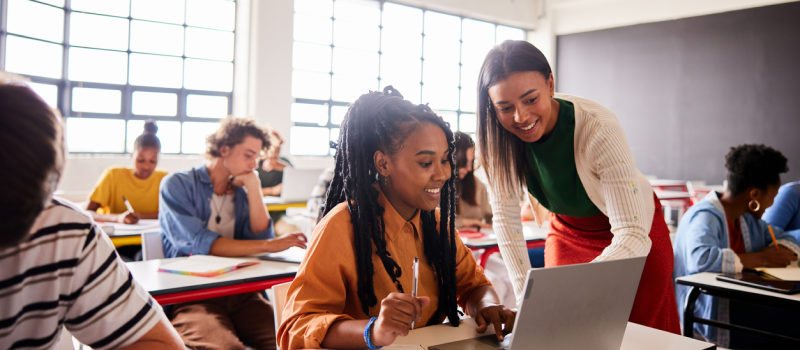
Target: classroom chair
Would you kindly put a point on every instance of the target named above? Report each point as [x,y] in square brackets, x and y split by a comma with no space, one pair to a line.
[151,246]
[279,296]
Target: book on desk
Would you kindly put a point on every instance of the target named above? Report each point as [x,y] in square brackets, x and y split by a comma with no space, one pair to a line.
[205,265]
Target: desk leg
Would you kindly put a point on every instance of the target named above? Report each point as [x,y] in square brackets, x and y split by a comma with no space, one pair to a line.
[486,254]
[688,312]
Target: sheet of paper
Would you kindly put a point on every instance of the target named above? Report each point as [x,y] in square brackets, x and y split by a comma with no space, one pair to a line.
[790,273]
[203,264]
[142,225]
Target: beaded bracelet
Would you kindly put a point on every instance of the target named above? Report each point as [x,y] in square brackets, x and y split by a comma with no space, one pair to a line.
[366,334]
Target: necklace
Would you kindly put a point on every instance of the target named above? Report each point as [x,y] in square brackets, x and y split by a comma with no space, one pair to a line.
[218,218]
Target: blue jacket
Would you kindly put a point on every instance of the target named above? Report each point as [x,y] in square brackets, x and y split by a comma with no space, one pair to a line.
[185,208]
[785,212]
[702,245]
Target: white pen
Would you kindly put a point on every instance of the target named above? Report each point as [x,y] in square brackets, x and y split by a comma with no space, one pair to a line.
[127,205]
[414,286]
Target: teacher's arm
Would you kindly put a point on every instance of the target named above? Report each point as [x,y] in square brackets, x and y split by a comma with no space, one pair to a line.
[507,223]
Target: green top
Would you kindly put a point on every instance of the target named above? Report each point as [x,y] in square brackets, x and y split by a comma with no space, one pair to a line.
[552,177]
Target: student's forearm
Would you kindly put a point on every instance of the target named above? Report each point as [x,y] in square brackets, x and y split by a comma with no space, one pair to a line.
[102,217]
[259,218]
[346,334]
[233,247]
[271,191]
[480,298]
[153,215]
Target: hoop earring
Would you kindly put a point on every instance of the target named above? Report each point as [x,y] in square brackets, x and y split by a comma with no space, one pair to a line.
[750,205]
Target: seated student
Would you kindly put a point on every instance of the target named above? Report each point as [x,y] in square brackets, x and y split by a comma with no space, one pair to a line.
[57,267]
[724,233]
[785,212]
[270,170]
[394,167]
[317,200]
[216,209]
[473,199]
[138,184]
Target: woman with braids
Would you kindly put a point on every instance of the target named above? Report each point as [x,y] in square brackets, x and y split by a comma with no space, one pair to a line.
[394,167]
[724,233]
[571,156]
[138,184]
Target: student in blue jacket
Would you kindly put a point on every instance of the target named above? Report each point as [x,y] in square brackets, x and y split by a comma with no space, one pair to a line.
[785,212]
[724,233]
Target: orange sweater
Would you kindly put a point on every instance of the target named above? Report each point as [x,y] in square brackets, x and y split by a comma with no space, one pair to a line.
[325,289]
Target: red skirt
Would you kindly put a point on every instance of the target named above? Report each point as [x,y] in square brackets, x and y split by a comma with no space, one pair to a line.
[580,240]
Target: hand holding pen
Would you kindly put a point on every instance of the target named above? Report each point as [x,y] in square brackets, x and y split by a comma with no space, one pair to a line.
[128,217]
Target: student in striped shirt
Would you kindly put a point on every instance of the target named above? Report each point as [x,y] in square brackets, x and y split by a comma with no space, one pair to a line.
[57,267]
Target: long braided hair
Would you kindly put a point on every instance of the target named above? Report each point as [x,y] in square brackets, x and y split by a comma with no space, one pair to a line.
[382,121]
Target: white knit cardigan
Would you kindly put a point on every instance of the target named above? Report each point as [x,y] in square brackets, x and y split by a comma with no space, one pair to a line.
[608,172]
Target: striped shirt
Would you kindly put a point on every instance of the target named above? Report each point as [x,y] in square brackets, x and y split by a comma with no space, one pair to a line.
[68,273]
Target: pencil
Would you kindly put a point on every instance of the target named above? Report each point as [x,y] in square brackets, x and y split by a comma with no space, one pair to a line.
[774,241]
[414,285]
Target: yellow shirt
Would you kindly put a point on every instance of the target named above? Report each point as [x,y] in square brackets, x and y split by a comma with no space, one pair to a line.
[120,181]
[325,289]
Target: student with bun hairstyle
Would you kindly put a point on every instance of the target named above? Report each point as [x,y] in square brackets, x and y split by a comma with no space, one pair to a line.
[138,184]
[392,199]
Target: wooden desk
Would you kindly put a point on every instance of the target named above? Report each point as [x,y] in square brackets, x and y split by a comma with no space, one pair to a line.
[534,237]
[707,283]
[170,288]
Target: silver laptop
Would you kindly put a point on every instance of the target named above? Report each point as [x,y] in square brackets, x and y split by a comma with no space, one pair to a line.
[297,186]
[584,306]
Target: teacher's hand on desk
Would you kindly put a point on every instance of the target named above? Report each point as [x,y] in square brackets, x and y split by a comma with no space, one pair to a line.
[398,310]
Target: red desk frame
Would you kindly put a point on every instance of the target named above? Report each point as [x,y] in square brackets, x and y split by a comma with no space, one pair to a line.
[215,292]
[488,251]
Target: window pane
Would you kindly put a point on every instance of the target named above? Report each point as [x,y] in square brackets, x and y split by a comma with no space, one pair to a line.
[206,106]
[450,117]
[155,103]
[98,31]
[337,114]
[107,7]
[355,62]
[314,7]
[311,85]
[468,123]
[442,49]
[32,57]
[441,25]
[441,73]
[208,75]
[36,20]
[96,100]
[410,89]
[395,68]
[48,93]
[95,135]
[309,141]
[474,54]
[169,133]
[194,136]
[440,97]
[310,113]
[469,99]
[399,42]
[149,37]
[334,138]
[98,66]
[209,43]
[215,14]
[158,71]
[358,11]
[402,17]
[469,87]
[478,31]
[313,29]
[356,36]
[311,57]
[348,88]
[170,11]
[507,33]
[59,3]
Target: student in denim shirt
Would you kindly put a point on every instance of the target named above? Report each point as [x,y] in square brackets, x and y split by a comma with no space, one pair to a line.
[785,212]
[216,209]
[724,233]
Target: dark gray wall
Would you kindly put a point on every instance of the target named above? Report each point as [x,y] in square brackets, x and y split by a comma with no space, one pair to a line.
[687,90]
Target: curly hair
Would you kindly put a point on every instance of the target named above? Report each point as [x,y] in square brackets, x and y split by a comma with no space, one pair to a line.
[382,121]
[754,166]
[232,132]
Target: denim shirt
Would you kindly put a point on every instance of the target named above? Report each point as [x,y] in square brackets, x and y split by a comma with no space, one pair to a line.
[702,245]
[785,212]
[185,208]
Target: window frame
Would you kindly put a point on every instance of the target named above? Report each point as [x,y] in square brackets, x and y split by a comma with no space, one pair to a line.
[65,86]
[330,102]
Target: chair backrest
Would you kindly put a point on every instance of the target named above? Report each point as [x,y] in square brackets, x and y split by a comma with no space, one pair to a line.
[151,246]
[279,292]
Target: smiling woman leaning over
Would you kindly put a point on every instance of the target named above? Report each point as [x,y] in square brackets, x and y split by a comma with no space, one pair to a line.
[571,155]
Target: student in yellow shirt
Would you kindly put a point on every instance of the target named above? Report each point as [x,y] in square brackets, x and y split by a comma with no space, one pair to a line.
[138,184]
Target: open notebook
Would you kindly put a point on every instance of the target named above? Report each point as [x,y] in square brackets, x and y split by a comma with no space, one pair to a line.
[205,265]
[789,273]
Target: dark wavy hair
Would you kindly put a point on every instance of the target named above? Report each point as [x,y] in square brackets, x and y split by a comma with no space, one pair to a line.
[148,138]
[501,152]
[232,132]
[382,121]
[466,186]
[756,166]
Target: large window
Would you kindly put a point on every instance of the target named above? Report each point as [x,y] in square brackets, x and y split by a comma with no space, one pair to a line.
[109,65]
[344,48]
